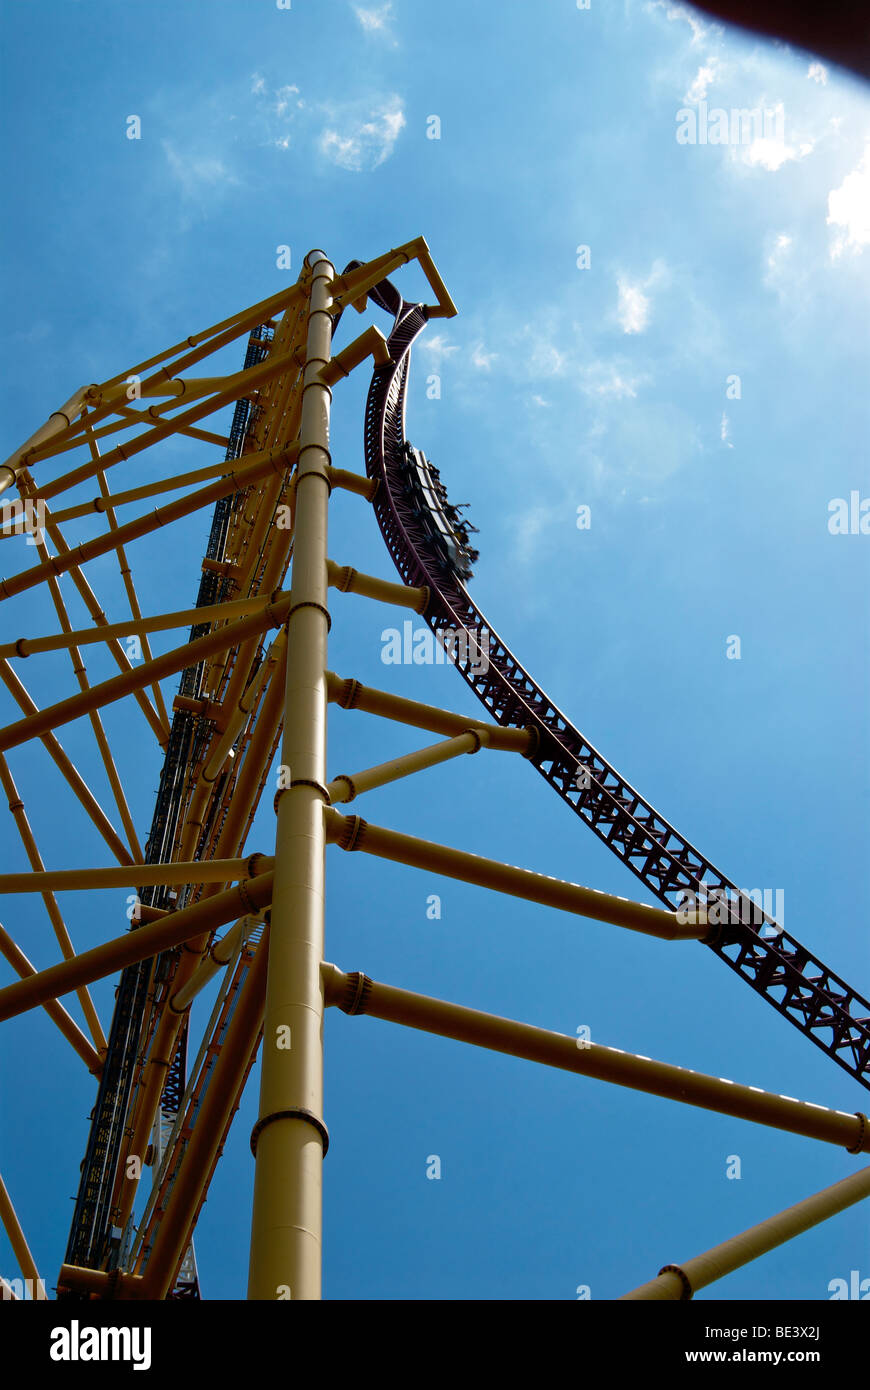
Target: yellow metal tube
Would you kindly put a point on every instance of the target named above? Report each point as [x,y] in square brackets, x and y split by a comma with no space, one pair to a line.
[678,1283]
[68,770]
[370,343]
[256,466]
[351,833]
[99,1282]
[158,722]
[176,1224]
[344,788]
[289,1139]
[107,692]
[58,420]
[171,930]
[96,723]
[350,581]
[19,815]
[56,1012]
[217,958]
[235,608]
[137,494]
[357,994]
[17,1240]
[353,482]
[242,383]
[127,576]
[136,875]
[352,694]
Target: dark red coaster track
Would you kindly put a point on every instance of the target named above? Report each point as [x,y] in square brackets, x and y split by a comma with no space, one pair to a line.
[789,976]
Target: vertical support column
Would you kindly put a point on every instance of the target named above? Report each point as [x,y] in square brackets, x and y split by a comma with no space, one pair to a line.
[290,1138]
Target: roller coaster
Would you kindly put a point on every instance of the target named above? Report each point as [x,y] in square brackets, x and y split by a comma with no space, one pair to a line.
[240,699]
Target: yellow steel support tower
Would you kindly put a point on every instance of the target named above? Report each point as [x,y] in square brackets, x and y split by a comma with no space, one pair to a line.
[253,694]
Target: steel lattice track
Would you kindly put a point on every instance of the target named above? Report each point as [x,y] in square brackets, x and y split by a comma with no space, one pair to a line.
[798,985]
[90,1233]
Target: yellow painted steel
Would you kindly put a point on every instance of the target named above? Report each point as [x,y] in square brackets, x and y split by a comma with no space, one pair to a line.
[350,581]
[71,774]
[351,833]
[138,875]
[19,815]
[286,1229]
[162,622]
[58,422]
[182,1207]
[218,639]
[680,1282]
[370,343]
[247,692]
[344,788]
[20,1248]
[56,1012]
[234,480]
[357,994]
[218,956]
[147,941]
[353,482]
[352,694]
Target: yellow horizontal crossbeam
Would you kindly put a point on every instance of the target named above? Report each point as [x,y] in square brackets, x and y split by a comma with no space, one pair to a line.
[136,875]
[355,993]
[678,1283]
[351,833]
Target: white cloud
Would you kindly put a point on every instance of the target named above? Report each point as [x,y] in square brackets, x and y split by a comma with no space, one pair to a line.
[437,347]
[725,430]
[359,144]
[701,81]
[673,12]
[818,73]
[284,97]
[196,173]
[277,110]
[534,525]
[769,150]
[633,308]
[539,401]
[482,359]
[785,272]
[603,379]
[849,210]
[780,249]
[375,20]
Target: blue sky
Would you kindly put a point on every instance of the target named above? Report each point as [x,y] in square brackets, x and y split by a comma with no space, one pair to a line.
[559,387]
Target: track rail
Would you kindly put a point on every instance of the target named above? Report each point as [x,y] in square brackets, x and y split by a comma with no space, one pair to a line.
[788,975]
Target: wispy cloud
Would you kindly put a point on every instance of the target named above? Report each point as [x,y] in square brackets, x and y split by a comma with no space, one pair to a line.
[362,138]
[438,347]
[701,81]
[679,12]
[633,307]
[482,359]
[817,72]
[849,210]
[197,173]
[605,379]
[278,109]
[634,303]
[376,19]
[542,358]
[772,151]
[725,430]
